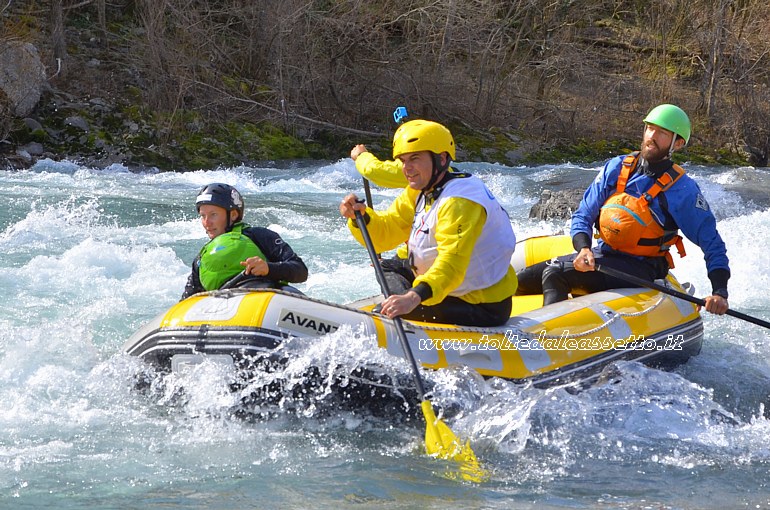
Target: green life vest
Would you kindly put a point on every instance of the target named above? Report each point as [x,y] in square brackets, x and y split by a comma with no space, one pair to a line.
[220,258]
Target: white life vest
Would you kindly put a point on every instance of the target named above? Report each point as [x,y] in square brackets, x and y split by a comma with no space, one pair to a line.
[491,255]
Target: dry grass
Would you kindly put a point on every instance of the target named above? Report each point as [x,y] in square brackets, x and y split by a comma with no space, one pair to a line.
[557,70]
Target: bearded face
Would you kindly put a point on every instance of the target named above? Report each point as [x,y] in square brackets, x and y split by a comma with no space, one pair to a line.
[656,143]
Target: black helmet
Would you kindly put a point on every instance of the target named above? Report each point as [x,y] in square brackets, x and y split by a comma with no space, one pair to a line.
[222,195]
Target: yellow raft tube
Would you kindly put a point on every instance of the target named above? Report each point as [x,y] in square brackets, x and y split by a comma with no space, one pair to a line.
[556,344]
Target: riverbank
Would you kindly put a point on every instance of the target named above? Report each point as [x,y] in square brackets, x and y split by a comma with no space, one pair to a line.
[99,133]
[110,85]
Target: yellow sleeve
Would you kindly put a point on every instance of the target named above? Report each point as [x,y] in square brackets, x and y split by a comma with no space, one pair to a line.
[458,227]
[389,228]
[387,174]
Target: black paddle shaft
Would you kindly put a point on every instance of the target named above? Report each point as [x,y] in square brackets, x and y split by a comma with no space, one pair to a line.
[671,292]
[235,280]
[368,192]
[386,292]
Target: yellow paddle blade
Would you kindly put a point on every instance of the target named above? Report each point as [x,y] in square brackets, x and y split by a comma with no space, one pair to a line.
[441,442]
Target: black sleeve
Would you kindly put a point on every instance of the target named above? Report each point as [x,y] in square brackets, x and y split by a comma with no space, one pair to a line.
[423,290]
[283,264]
[719,279]
[194,284]
[581,240]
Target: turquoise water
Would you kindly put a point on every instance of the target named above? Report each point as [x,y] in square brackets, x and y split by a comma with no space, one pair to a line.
[87,256]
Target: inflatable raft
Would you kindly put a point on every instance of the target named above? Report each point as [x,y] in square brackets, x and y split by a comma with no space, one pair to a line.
[557,344]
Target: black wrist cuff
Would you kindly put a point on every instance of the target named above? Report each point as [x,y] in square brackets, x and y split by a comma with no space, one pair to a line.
[720,292]
[719,279]
[581,240]
[423,290]
[367,218]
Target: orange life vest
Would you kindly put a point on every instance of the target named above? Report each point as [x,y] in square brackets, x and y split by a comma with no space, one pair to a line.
[626,222]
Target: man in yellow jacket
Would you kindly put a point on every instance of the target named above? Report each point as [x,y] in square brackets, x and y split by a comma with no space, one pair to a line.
[387,174]
[459,237]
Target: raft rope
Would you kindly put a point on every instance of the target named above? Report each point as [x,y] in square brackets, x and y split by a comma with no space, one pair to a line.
[615,316]
[461,329]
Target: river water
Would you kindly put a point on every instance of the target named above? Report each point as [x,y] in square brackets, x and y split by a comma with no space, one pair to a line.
[87,256]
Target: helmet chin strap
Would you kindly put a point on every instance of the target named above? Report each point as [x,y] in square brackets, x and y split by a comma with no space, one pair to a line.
[671,149]
[230,224]
[438,169]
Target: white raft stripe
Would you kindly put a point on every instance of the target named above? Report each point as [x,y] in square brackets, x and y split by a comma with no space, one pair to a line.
[214,308]
[684,307]
[616,324]
[535,358]
[521,322]
[425,350]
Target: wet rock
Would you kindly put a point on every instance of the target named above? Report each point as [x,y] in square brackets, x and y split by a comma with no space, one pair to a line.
[516,156]
[22,76]
[23,157]
[99,104]
[33,149]
[5,115]
[32,125]
[77,122]
[756,156]
[556,204]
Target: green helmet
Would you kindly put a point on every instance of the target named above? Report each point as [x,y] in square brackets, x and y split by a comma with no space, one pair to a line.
[220,258]
[672,118]
[423,135]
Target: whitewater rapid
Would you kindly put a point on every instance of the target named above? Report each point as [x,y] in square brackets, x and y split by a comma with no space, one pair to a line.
[88,255]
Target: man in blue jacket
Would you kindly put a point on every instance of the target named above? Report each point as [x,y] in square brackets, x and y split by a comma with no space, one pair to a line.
[639,203]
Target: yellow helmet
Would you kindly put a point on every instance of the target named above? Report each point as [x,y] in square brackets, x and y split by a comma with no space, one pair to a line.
[422,135]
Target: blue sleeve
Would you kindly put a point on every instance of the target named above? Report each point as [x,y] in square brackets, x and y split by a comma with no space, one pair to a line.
[603,186]
[693,215]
